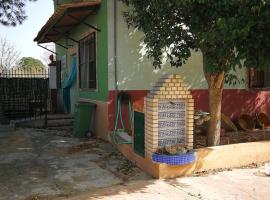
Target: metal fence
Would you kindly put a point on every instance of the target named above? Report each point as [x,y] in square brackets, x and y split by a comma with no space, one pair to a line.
[23,94]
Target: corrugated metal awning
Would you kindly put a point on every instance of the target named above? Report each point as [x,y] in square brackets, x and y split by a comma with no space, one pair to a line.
[65,18]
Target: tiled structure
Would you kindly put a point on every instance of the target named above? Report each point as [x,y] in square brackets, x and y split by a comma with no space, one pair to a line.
[169,100]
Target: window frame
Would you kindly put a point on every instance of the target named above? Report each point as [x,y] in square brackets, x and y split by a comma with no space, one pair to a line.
[266,79]
[251,72]
[95,61]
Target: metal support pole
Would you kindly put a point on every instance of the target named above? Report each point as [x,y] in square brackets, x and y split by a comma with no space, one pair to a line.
[61,45]
[81,21]
[47,49]
[66,35]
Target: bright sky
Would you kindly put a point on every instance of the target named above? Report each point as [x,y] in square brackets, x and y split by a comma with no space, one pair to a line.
[22,36]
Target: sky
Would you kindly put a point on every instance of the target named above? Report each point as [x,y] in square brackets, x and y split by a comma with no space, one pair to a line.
[22,36]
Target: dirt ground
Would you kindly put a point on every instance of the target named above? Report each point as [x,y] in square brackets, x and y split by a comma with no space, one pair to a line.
[200,141]
[44,165]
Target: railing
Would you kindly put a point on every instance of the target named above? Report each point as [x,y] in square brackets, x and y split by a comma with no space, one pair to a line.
[23,94]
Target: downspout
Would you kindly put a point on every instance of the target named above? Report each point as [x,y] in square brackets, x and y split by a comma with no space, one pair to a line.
[115,47]
[115,62]
[117,104]
[115,55]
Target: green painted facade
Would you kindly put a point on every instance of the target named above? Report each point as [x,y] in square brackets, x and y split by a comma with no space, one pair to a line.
[73,94]
[99,20]
[134,70]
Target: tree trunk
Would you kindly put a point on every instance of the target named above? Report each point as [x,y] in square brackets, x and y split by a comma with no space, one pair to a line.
[215,89]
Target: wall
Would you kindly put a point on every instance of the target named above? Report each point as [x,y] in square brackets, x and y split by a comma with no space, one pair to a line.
[99,20]
[235,102]
[136,72]
[99,96]
[210,158]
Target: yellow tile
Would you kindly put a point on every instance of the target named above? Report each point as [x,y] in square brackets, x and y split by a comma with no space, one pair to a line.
[191,101]
[166,92]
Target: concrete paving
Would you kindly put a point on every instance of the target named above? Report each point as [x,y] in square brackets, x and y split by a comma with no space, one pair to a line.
[239,184]
[43,165]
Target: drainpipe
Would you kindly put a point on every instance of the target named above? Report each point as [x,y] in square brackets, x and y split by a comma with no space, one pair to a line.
[115,54]
[115,45]
[116,91]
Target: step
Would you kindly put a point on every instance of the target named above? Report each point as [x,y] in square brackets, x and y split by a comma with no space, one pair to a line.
[60,128]
[59,116]
[60,122]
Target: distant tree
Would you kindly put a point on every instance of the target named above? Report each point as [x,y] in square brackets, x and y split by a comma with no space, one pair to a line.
[30,64]
[229,33]
[9,55]
[12,12]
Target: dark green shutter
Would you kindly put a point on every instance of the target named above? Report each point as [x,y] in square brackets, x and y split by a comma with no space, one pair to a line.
[139,133]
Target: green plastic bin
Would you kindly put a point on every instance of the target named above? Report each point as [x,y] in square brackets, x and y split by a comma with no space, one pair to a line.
[84,119]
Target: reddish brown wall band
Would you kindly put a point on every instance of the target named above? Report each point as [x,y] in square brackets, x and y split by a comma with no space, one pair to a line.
[137,98]
[234,102]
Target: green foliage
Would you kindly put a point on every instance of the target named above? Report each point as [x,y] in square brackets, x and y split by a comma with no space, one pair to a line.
[255,45]
[30,64]
[12,12]
[229,33]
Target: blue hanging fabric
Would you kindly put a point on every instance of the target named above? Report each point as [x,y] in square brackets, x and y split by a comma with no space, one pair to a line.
[66,97]
[72,75]
[68,83]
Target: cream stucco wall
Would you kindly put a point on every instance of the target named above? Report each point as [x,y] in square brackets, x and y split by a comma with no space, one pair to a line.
[135,71]
[111,36]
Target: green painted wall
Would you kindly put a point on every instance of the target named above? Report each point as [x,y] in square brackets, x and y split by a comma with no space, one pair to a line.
[99,20]
[136,72]
[73,94]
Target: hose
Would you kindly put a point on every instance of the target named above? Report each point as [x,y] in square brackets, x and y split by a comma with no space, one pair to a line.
[121,98]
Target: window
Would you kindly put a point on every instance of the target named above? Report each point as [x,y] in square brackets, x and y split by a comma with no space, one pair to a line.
[259,78]
[87,62]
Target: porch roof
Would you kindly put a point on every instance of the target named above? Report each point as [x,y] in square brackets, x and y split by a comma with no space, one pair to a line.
[65,18]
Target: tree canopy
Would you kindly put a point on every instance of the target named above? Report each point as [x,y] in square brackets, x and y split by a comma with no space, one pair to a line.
[30,64]
[226,31]
[12,12]
[229,33]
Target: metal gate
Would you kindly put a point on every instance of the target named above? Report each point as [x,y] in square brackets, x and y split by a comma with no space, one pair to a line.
[23,94]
